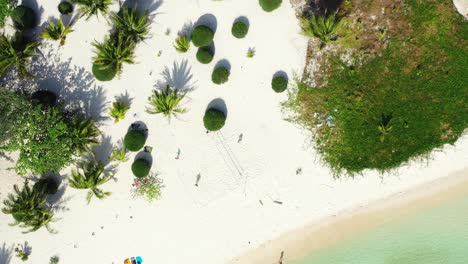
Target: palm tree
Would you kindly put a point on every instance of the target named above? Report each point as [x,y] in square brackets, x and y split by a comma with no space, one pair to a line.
[323,27]
[119,154]
[166,102]
[182,44]
[113,52]
[131,25]
[28,208]
[85,134]
[17,51]
[57,31]
[89,8]
[118,111]
[90,175]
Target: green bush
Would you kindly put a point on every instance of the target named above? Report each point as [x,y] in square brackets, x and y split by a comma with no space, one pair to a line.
[141,168]
[65,8]
[23,18]
[279,84]
[134,140]
[205,55]
[103,74]
[5,11]
[239,29]
[47,185]
[220,75]
[214,119]
[202,36]
[270,5]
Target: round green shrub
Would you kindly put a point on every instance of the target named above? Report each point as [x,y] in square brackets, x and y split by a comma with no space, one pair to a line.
[205,55]
[48,185]
[202,36]
[141,168]
[23,18]
[103,74]
[269,5]
[279,84]
[239,29]
[214,119]
[220,75]
[134,140]
[65,8]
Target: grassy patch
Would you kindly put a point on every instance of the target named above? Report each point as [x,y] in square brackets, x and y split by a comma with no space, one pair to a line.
[400,104]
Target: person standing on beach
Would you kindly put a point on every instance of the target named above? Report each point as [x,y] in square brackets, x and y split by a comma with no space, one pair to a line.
[198,179]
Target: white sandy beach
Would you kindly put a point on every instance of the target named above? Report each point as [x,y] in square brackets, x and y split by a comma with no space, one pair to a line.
[232,212]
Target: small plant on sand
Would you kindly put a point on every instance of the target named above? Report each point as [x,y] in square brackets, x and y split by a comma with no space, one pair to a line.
[270,5]
[54,260]
[166,102]
[250,52]
[131,25]
[323,27]
[239,29]
[148,187]
[182,44]
[16,51]
[119,154]
[118,111]
[205,55]
[89,8]
[89,175]
[111,54]
[29,208]
[134,140]
[279,84]
[220,75]
[214,119]
[23,18]
[85,134]
[202,36]
[21,253]
[65,8]
[141,168]
[57,31]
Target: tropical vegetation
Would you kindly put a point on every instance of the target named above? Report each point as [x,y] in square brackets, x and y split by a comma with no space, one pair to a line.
[134,140]
[270,5]
[220,75]
[279,84]
[112,53]
[89,8]
[17,52]
[148,187]
[166,102]
[119,154]
[141,168]
[131,25]
[118,111]
[182,44]
[23,18]
[65,8]
[214,119]
[56,31]
[239,29]
[6,6]
[202,36]
[323,27]
[205,55]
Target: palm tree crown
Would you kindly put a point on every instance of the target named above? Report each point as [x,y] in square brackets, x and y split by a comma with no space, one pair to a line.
[89,8]
[17,51]
[166,102]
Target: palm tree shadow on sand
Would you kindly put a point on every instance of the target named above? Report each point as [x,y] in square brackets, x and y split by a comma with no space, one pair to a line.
[6,253]
[178,77]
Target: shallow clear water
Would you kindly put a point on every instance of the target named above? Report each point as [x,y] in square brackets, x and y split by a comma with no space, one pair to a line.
[434,236]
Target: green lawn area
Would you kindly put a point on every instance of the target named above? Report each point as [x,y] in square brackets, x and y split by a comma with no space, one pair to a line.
[397,106]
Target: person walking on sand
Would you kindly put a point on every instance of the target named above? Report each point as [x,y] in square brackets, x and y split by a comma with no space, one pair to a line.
[198,179]
[178,154]
[241,136]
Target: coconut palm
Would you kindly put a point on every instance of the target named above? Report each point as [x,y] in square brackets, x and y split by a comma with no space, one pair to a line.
[28,207]
[118,111]
[130,24]
[57,31]
[85,134]
[17,51]
[88,8]
[113,52]
[166,102]
[89,175]
[323,27]
[119,154]
[182,44]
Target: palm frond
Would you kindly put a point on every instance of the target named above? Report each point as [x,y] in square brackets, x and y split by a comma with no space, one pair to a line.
[85,134]
[17,52]
[119,155]
[323,27]
[132,25]
[118,111]
[89,8]
[113,52]
[166,102]
[57,31]
[182,44]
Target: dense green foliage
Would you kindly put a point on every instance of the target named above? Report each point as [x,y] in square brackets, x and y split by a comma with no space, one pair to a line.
[401,104]
[220,75]
[23,18]
[118,111]
[103,74]
[110,56]
[166,102]
[134,140]
[239,29]
[131,25]
[56,31]
[65,8]
[202,36]
[89,175]
[270,5]
[5,11]
[141,168]
[279,84]
[323,27]
[214,119]
[89,8]
[29,208]
[182,44]
[205,55]
[47,138]
[16,51]
[148,187]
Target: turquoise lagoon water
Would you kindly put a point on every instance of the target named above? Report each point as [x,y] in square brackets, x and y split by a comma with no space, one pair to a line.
[435,236]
